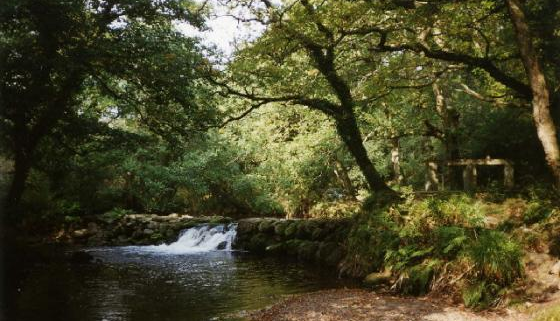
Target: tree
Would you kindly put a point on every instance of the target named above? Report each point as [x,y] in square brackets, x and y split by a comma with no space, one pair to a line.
[54,50]
[541,102]
[474,35]
[299,60]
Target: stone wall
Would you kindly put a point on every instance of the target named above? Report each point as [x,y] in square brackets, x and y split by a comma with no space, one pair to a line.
[135,229]
[318,240]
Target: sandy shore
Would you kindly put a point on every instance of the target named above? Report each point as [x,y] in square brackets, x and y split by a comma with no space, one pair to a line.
[362,305]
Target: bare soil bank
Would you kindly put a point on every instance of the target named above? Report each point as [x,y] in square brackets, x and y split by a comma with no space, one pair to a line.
[362,305]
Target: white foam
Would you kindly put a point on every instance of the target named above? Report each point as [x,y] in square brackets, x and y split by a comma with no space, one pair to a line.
[197,239]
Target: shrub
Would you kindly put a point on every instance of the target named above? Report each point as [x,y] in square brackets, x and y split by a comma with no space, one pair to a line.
[416,280]
[435,243]
[337,209]
[115,214]
[537,211]
[496,258]
[450,240]
[481,295]
[371,236]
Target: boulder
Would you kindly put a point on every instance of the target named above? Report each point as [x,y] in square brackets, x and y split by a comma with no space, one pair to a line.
[162,219]
[222,245]
[378,278]
[81,233]
[247,226]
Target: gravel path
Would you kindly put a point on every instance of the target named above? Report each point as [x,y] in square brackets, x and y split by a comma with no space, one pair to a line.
[361,305]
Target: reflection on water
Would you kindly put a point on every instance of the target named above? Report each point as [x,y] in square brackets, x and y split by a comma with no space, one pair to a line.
[136,285]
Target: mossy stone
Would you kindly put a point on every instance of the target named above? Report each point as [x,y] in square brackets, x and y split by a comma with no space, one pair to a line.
[277,248]
[157,237]
[266,226]
[258,243]
[280,227]
[377,278]
[188,224]
[220,220]
[292,247]
[301,232]
[247,227]
[317,234]
[310,226]
[306,250]
[291,230]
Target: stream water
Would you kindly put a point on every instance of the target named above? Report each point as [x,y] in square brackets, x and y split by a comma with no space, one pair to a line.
[194,279]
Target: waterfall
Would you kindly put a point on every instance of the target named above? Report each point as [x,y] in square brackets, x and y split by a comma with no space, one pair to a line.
[203,238]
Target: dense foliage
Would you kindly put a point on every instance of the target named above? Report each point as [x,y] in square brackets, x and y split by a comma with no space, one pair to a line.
[135,117]
[334,110]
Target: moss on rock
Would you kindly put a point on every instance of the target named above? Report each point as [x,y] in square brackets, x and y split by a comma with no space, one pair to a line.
[291,230]
[266,226]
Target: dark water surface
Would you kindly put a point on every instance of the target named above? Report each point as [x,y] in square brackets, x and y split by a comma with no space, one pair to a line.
[135,285]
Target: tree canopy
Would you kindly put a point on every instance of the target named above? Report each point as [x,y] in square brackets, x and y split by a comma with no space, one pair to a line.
[334,100]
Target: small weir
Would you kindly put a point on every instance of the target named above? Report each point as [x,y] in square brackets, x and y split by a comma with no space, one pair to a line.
[203,238]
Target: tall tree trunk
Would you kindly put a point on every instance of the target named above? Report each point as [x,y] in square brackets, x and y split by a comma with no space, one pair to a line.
[542,117]
[342,176]
[396,159]
[348,130]
[450,122]
[26,138]
[22,166]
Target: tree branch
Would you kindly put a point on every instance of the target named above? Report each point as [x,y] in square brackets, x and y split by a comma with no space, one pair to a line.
[483,63]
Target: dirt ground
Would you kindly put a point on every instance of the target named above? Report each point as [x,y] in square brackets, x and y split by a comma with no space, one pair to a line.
[362,305]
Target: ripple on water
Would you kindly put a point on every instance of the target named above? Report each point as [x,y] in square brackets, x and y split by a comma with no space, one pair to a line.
[133,284]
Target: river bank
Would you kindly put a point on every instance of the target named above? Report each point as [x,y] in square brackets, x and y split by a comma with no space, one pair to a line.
[363,305]
[482,254]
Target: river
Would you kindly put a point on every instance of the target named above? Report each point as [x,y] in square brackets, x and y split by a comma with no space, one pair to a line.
[197,278]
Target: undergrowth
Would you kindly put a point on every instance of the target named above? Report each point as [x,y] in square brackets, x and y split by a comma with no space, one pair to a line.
[435,244]
[550,314]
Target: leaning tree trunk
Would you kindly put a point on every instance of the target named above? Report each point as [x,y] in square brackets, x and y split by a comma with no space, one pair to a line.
[349,132]
[542,116]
